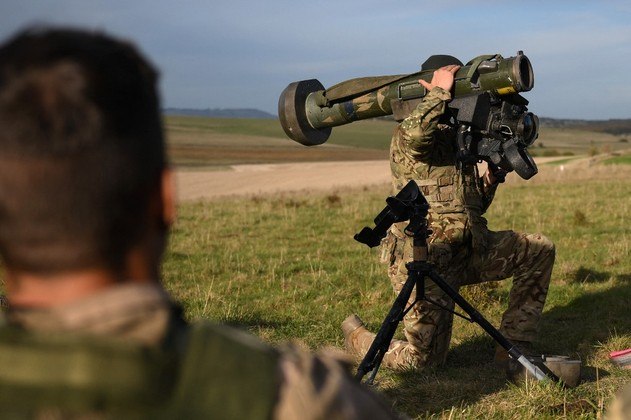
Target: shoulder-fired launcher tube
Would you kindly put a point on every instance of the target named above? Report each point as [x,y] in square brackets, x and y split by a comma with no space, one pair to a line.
[307,111]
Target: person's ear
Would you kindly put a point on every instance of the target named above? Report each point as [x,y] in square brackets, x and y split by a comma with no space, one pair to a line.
[168,197]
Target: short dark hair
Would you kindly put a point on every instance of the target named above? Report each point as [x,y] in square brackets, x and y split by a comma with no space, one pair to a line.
[81,149]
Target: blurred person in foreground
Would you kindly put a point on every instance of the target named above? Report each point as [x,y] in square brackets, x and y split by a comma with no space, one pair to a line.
[86,202]
[620,406]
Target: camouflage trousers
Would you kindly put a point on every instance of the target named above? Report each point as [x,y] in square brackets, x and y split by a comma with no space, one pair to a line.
[528,258]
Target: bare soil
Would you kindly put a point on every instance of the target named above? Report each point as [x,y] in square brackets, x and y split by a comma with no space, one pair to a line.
[244,180]
[273,178]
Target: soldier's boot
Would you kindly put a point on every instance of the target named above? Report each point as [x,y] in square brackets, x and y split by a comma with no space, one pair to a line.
[357,339]
[502,358]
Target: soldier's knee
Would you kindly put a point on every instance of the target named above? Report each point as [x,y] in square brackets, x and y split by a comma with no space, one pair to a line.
[542,244]
[548,245]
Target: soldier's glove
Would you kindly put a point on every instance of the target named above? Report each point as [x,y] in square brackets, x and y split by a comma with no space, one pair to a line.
[498,173]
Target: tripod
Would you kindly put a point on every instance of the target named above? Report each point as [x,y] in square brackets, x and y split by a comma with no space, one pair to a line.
[409,204]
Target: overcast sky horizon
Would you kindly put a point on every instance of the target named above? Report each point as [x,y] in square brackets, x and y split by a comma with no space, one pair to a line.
[242,54]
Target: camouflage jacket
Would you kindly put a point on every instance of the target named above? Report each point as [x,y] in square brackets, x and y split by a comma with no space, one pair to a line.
[424,150]
[126,353]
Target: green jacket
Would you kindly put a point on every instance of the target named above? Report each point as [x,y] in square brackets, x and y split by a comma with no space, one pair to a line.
[220,373]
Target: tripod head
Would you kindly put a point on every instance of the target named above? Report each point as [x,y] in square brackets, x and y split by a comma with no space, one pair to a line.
[408,204]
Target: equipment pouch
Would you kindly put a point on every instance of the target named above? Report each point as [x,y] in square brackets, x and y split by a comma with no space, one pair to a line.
[479,231]
[443,194]
[440,255]
[387,248]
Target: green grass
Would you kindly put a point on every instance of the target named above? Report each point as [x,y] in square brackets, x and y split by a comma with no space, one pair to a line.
[370,134]
[376,133]
[618,160]
[286,267]
[199,143]
[561,141]
[230,126]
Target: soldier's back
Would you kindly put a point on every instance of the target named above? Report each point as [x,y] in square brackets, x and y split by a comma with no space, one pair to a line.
[221,373]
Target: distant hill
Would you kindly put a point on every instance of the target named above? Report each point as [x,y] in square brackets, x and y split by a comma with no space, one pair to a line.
[616,127]
[220,112]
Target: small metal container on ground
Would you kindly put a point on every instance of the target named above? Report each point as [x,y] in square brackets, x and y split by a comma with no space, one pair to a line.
[568,370]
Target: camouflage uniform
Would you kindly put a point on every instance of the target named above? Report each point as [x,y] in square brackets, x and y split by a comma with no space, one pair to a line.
[126,353]
[461,247]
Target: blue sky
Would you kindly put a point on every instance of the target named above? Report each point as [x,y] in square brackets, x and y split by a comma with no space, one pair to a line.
[242,54]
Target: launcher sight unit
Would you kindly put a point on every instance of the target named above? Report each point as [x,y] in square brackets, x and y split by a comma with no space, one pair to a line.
[494,122]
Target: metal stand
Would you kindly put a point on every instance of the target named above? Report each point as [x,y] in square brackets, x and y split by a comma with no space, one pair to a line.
[410,205]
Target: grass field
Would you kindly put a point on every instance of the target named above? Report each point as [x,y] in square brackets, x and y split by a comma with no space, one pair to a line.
[618,160]
[196,142]
[286,267]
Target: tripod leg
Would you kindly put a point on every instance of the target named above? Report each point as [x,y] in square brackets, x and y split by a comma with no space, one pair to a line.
[373,358]
[514,352]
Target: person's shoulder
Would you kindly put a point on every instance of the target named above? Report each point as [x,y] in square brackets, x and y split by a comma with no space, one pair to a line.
[208,331]
[297,382]
[319,385]
[227,372]
[94,374]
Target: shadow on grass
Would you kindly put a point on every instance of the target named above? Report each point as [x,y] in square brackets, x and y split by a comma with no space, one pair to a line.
[250,321]
[470,374]
[576,328]
[624,277]
[586,275]
[467,376]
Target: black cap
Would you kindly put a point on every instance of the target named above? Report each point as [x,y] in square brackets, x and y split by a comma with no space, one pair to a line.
[438,61]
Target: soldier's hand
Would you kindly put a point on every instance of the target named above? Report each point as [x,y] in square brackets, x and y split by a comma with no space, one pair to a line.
[443,77]
[494,174]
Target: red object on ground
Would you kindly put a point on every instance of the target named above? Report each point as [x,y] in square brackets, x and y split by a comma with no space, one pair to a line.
[621,358]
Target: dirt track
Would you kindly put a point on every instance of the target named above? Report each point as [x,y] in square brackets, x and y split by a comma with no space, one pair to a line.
[244,180]
[284,177]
